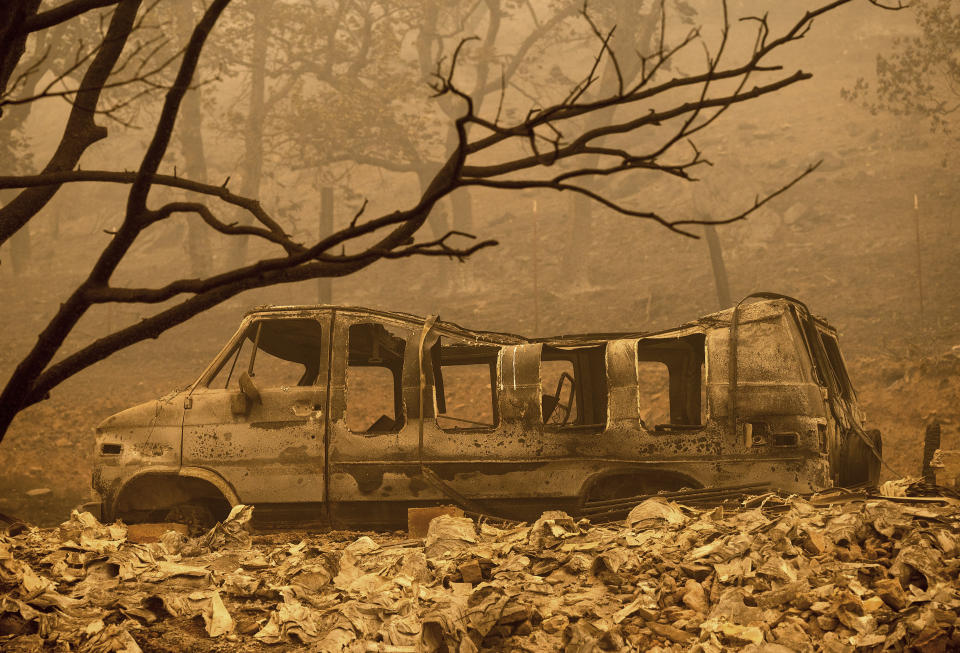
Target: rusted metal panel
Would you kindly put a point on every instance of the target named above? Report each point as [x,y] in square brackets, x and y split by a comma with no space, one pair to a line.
[277,447]
[517,458]
[144,436]
[519,386]
[623,403]
[370,467]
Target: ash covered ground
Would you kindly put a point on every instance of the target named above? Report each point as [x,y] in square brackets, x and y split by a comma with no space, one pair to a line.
[837,571]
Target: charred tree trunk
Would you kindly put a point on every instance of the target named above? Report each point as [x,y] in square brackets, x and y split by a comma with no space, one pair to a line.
[461,205]
[33,377]
[13,41]
[252,173]
[20,247]
[426,56]
[720,278]
[704,203]
[192,148]
[325,228]
[633,35]
[12,156]
[437,221]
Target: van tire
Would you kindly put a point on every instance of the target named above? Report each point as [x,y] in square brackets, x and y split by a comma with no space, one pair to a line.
[859,465]
[197,517]
[167,497]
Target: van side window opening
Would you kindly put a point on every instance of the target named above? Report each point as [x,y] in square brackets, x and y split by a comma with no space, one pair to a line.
[653,379]
[573,383]
[374,380]
[818,374]
[836,362]
[559,397]
[276,353]
[671,383]
[464,382]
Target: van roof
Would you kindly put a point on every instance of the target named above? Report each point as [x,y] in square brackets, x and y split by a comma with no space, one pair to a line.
[763,308]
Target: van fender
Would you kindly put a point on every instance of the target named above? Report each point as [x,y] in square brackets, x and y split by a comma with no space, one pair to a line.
[215,480]
[645,479]
[199,473]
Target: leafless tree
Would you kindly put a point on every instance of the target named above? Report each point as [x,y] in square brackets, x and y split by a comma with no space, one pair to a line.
[487,152]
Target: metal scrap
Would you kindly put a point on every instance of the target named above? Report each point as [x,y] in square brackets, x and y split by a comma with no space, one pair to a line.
[773,573]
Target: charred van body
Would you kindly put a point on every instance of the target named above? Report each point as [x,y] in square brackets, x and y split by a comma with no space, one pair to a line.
[350,416]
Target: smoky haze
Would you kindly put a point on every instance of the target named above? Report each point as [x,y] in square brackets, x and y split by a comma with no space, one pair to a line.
[320,114]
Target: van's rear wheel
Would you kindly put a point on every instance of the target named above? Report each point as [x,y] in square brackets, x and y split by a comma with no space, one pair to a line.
[860,464]
[613,495]
[874,461]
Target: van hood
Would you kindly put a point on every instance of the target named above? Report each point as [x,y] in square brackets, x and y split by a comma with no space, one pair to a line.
[166,411]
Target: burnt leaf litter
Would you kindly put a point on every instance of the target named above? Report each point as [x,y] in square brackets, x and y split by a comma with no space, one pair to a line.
[835,571]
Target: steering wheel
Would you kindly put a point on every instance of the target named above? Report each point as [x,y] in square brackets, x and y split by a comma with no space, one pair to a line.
[568,407]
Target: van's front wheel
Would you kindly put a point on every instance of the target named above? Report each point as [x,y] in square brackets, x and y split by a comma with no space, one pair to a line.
[197,517]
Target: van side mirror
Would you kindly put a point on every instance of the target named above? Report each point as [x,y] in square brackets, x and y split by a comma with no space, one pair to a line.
[239,404]
[249,396]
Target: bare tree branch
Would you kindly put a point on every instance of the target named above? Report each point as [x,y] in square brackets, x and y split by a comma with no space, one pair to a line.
[68,176]
[80,131]
[23,380]
[63,13]
[497,158]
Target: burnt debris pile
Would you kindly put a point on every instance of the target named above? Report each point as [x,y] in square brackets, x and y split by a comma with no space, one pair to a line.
[834,572]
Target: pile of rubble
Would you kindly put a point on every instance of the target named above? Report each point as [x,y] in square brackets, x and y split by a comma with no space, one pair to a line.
[834,572]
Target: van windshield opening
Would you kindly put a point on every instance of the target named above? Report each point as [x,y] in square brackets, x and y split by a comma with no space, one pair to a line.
[276,352]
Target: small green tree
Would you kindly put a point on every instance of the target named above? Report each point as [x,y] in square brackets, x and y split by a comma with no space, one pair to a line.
[920,75]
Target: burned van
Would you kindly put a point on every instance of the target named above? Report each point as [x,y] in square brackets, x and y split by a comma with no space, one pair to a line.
[349,416]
